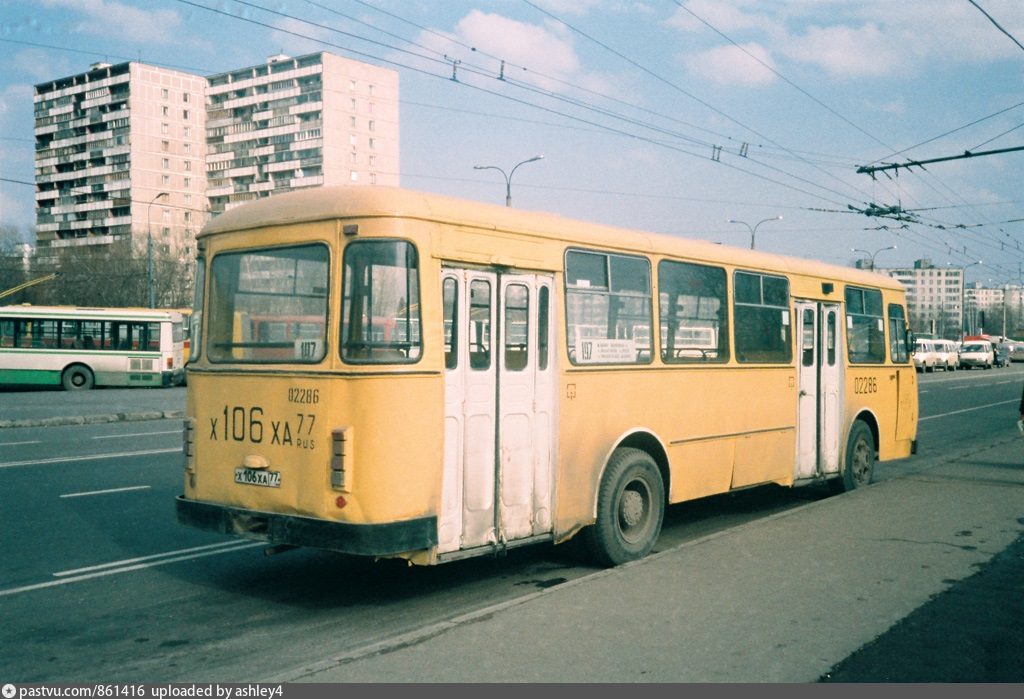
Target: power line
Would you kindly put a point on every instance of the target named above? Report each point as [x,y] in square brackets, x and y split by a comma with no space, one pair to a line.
[997,25]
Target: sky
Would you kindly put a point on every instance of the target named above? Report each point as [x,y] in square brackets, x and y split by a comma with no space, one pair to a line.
[698,118]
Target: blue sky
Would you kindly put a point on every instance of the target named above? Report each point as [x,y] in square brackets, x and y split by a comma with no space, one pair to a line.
[665,115]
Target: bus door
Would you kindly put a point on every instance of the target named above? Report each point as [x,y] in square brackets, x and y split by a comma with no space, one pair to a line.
[499,408]
[819,388]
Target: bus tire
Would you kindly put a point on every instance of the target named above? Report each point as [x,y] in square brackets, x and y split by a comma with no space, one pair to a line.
[77,378]
[630,509]
[859,465]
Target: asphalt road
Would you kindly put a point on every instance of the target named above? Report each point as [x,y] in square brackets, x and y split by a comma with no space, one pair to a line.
[109,587]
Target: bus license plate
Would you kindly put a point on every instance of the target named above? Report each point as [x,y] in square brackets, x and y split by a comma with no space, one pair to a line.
[252,476]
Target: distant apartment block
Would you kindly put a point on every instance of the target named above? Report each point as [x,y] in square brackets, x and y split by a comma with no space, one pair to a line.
[935,298]
[299,122]
[120,155]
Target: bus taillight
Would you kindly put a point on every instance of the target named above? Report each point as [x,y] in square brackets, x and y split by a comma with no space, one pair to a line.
[341,449]
[188,445]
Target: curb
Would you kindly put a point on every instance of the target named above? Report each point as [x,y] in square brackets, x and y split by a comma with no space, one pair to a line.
[94,419]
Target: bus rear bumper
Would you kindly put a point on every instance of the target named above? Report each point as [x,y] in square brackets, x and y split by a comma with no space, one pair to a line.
[357,539]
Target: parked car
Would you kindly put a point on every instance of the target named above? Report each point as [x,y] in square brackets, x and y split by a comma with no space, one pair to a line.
[947,355]
[977,353]
[925,355]
[1002,355]
[1017,352]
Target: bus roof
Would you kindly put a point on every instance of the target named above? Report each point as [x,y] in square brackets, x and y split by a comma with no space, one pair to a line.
[89,313]
[372,201]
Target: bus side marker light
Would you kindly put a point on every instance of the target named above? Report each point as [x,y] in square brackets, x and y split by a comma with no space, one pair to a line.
[188,435]
[341,458]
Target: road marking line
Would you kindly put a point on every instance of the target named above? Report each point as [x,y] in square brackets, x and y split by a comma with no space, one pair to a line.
[136,434]
[18,444]
[131,561]
[127,569]
[93,457]
[967,410]
[104,492]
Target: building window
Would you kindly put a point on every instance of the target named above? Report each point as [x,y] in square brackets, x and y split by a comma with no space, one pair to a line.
[165,146]
[188,147]
[373,125]
[354,176]
[165,93]
[353,156]
[188,132]
[166,180]
[188,183]
[370,88]
[166,163]
[165,110]
[188,165]
[352,122]
[351,84]
[184,114]
[185,97]
[352,139]
[164,128]
[373,144]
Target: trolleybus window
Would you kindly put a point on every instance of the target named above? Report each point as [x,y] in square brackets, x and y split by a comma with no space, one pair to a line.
[451,323]
[380,320]
[256,287]
[762,318]
[516,331]
[694,326]
[608,308]
[898,341]
[865,325]
[480,324]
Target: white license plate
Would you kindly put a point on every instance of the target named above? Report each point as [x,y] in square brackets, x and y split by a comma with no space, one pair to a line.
[253,476]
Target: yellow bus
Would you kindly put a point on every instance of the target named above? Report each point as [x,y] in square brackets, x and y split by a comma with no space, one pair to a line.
[449,379]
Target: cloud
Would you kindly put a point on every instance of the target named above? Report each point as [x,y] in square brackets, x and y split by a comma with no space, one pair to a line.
[723,16]
[285,39]
[540,54]
[129,23]
[845,52]
[749,65]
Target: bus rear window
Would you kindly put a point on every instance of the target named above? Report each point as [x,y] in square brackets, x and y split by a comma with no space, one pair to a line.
[380,316]
[268,306]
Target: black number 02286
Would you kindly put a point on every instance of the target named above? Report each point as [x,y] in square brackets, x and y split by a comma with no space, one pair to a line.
[865,384]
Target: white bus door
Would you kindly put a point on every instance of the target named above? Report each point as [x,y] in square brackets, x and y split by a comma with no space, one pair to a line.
[819,388]
[499,404]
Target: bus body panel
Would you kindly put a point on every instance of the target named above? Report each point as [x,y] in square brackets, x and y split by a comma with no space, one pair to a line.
[433,455]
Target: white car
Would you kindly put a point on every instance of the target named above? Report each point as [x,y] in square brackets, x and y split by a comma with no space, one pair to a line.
[947,355]
[977,353]
[925,355]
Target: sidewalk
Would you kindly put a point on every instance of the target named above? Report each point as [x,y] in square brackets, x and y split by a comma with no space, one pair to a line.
[21,407]
[782,599]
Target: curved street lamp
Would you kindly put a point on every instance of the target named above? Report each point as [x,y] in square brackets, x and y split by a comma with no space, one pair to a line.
[871,256]
[753,229]
[508,177]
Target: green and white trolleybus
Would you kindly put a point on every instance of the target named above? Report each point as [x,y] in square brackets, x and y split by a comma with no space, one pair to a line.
[79,348]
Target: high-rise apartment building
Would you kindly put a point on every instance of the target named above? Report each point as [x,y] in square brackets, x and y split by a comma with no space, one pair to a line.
[935,298]
[120,155]
[300,122]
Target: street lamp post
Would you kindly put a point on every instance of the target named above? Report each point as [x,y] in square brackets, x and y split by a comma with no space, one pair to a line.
[753,229]
[149,249]
[963,299]
[508,177]
[872,256]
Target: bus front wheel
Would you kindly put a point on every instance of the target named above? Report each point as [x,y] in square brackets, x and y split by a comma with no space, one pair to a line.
[77,378]
[859,467]
[630,509]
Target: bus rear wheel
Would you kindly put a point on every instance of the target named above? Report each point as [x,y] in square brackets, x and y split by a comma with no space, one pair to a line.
[77,378]
[859,465]
[630,509]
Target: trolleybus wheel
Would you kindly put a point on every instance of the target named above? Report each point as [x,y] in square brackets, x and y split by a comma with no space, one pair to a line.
[77,378]
[859,466]
[630,509]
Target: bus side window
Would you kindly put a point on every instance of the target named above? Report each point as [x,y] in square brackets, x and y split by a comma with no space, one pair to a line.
[451,323]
